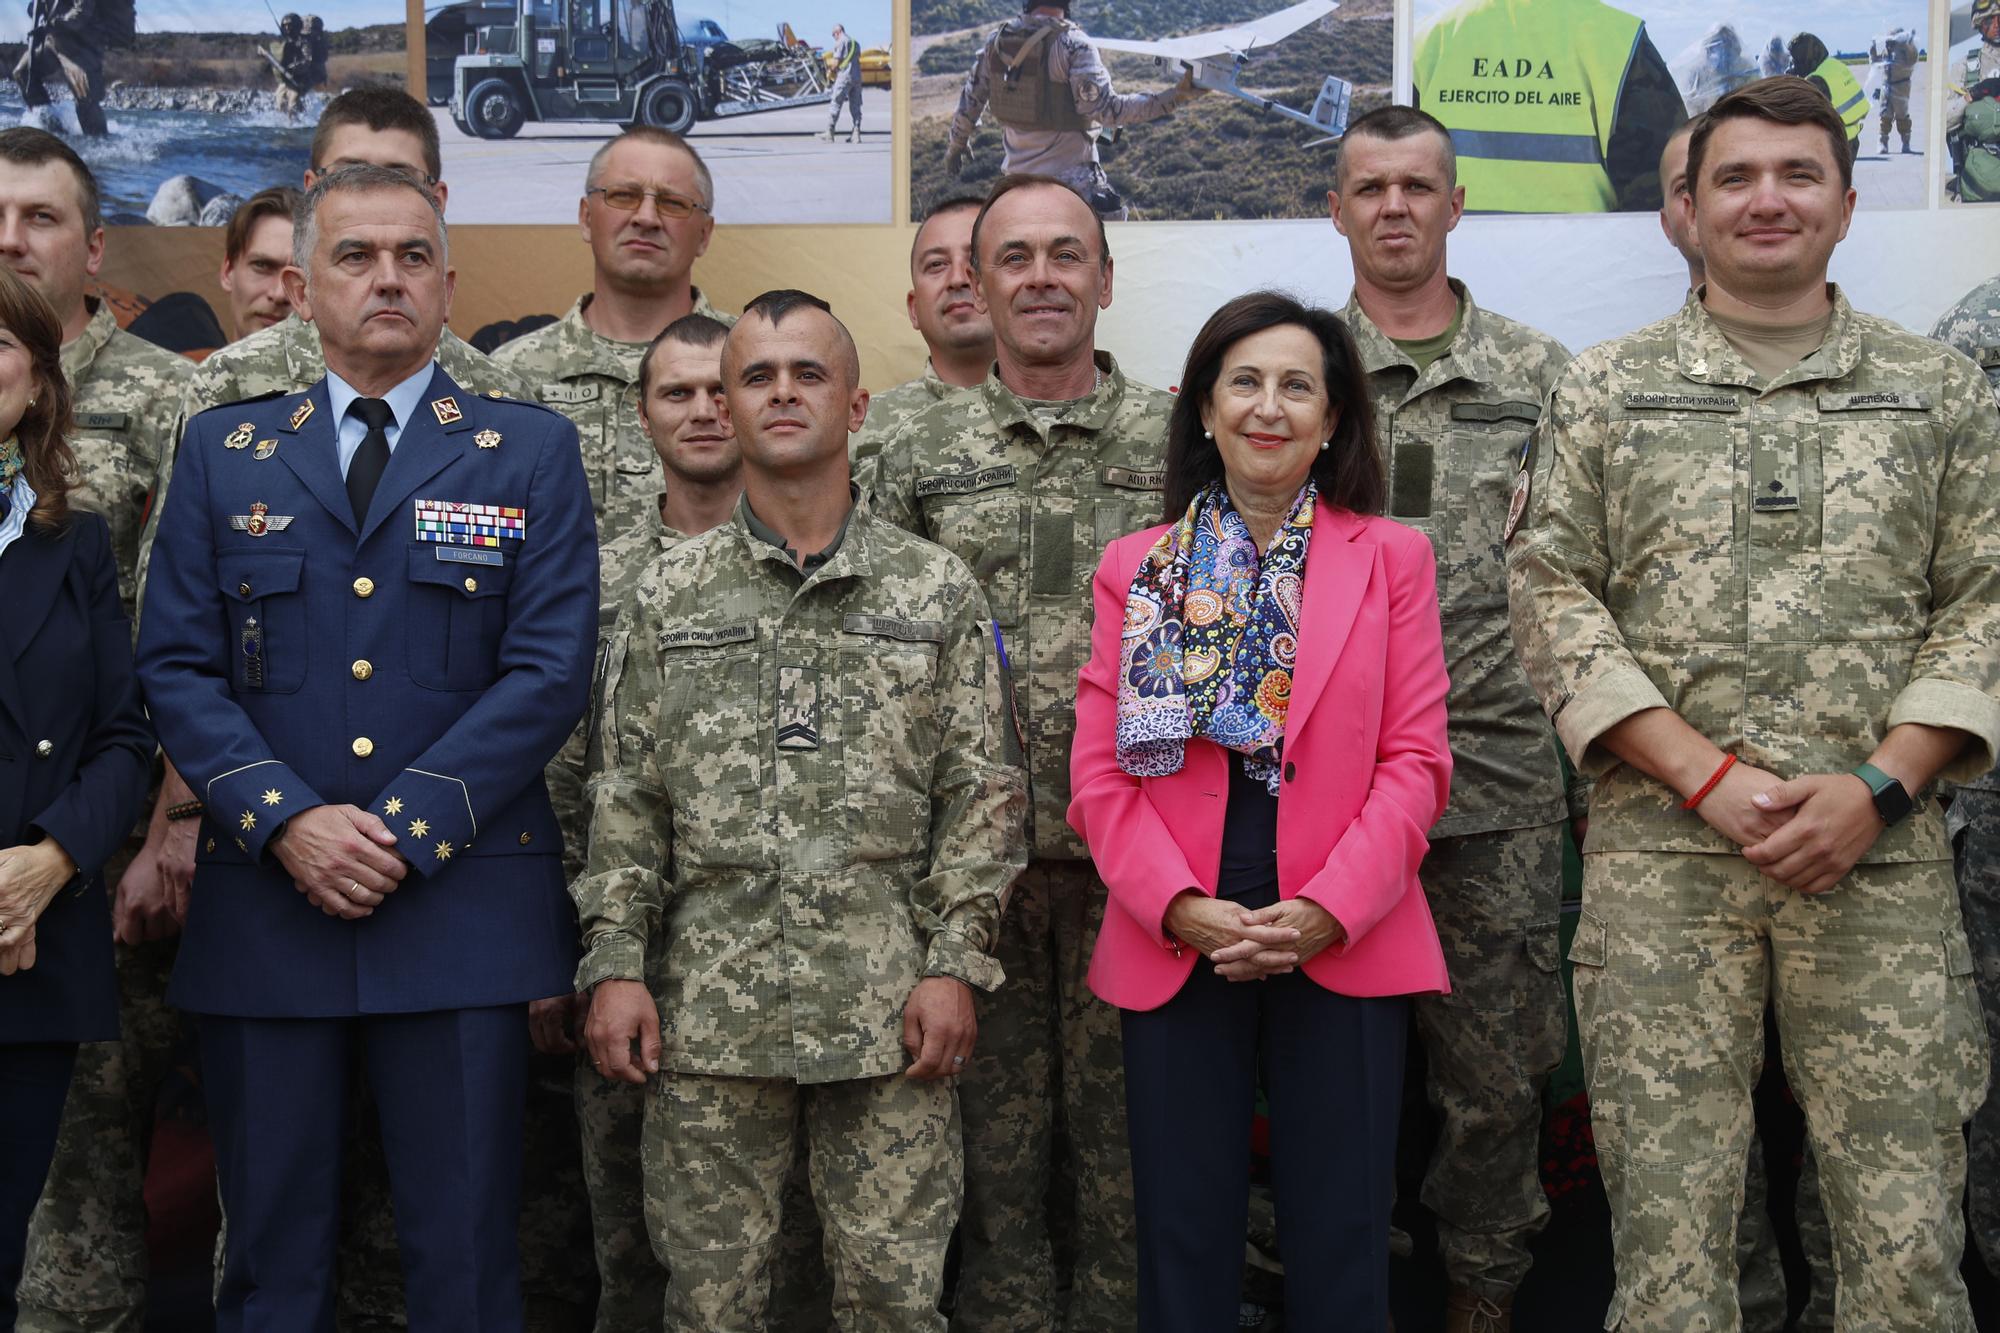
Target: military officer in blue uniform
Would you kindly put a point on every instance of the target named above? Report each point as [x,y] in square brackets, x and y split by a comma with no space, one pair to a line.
[368,627]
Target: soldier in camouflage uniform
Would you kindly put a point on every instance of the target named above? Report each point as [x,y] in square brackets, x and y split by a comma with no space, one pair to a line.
[1773,543]
[1028,479]
[808,730]
[944,308]
[1042,78]
[86,1251]
[1456,390]
[680,409]
[645,213]
[1973,327]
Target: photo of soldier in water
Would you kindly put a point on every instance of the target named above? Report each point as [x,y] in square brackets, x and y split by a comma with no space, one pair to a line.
[184,108]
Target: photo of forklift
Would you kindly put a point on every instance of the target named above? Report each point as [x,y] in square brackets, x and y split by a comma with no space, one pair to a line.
[625,62]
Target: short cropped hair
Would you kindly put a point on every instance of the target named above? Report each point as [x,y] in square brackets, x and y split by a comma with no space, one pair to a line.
[1021,180]
[26,146]
[358,179]
[1783,99]
[781,303]
[664,138]
[376,107]
[280,201]
[956,203]
[1349,471]
[1390,123]
[693,330]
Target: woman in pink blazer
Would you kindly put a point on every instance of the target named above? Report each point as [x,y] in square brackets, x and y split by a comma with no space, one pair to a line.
[1260,750]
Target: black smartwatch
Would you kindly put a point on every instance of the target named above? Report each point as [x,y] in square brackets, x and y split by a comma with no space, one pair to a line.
[1892,803]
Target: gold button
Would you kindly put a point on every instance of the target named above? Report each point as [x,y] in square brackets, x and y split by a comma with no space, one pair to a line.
[472,585]
[363,669]
[363,747]
[364,587]
[527,838]
[211,844]
[45,748]
[242,590]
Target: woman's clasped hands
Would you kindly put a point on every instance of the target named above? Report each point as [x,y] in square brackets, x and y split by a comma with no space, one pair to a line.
[1250,945]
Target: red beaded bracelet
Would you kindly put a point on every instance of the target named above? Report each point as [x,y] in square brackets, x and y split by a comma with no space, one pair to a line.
[1691,802]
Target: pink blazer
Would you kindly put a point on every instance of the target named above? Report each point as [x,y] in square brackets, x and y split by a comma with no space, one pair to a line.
[1366,773]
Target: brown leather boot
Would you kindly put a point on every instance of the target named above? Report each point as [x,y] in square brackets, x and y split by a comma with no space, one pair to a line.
[1469,1312]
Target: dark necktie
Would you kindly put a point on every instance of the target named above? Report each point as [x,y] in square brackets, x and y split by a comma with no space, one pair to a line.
[371,459]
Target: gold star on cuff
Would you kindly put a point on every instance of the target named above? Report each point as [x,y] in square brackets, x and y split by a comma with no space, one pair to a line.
[443,850]
[274,797]
[420,828]
[249,821]
[393,806]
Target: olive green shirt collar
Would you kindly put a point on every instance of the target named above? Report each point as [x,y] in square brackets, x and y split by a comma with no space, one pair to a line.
[1704,355]
[1092,412]
[1472,355]
[761,535]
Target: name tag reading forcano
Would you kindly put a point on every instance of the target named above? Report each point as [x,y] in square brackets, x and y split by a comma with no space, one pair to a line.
[1875,401]
[1126,479]
[709,636]
[1683,402]
[966,483]
[894,627]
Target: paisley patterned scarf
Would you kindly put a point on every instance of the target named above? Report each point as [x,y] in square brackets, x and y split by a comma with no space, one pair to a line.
[11,464]
[1211,635]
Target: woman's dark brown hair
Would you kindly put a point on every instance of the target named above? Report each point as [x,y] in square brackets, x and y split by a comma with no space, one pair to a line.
[1349,474]
[45,426]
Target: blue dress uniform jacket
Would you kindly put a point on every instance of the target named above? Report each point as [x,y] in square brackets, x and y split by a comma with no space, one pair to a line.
[291,661]
[75,754]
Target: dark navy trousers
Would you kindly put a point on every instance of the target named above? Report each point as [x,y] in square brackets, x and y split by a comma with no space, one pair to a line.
[34,1084]
[449,1087]
[1332,1071]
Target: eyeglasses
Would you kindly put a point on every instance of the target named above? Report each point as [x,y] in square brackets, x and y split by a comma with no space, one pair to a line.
[627,198]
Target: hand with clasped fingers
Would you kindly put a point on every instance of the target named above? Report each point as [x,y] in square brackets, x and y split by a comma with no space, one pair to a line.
[1247,945]
[338,856]
[30,877]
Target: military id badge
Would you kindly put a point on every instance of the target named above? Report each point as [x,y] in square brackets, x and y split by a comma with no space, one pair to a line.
[456,524]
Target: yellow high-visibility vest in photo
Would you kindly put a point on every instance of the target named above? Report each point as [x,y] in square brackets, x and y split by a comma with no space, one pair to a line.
[1848,97]
[1529,90]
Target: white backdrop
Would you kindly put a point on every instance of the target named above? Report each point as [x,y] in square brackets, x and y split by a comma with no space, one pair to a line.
[1582,279]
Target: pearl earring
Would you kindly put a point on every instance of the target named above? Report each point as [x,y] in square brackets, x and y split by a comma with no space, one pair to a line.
[1325,445]
[1208,435]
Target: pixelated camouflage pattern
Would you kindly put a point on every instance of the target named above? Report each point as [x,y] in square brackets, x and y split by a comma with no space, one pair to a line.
[86,1266]
[1794,571]
[1452,438]
[1066,154]
[1980,63]
[803,880]
[1976,816]
[594,381]
[1043,1099]
[1761,1292]
[885,1169]
[1973,327]
[1491,1045]
[123,387]
[286,358]
[889,409]
[1030,506]
[1883,1044]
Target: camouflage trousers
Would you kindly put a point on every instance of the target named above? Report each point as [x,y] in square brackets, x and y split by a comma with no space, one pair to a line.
[86,1265]
[632,1281]
[1045,1040]
[1977,813]
[558,1278]
[1676,957]
[1490,1046]
[885,1174]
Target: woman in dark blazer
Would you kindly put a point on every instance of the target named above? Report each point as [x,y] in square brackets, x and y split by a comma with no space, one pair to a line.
[75,750]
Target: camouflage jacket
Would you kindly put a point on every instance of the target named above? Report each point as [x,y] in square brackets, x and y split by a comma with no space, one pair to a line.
[119,382]
[889,409]
[1794,567]
[1031,507]
[621,563]
[1073,59]
[1452,439]
[1973,327]
[286,358]
[1982,62]
[594,381]
[802,784]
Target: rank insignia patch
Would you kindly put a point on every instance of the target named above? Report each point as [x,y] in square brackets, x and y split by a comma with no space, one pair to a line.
[302,413]
[446,410]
